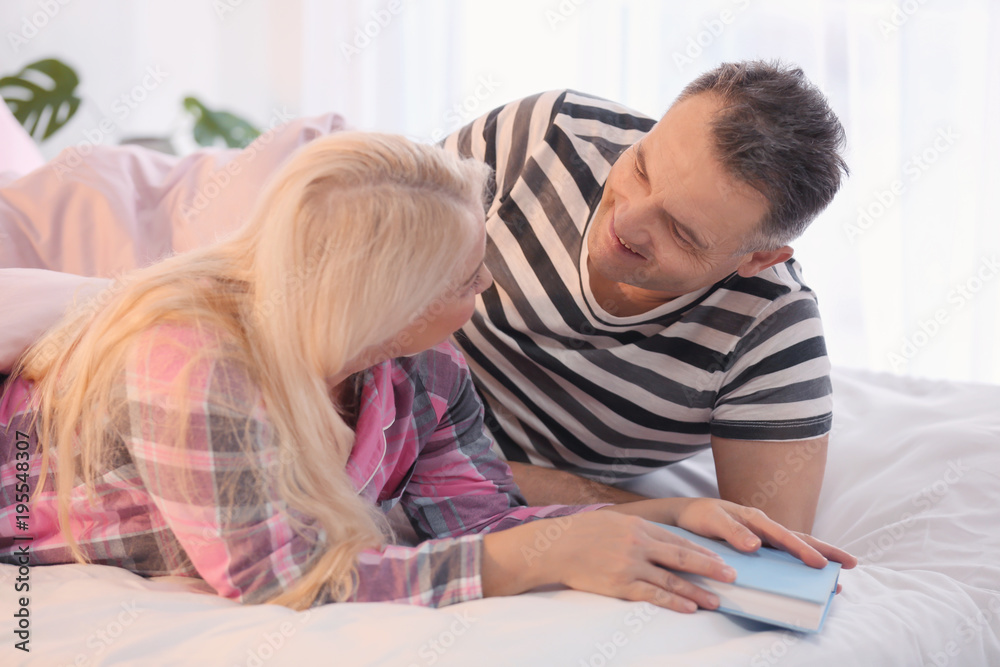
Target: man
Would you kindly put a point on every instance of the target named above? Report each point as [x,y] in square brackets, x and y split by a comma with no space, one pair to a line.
[645,303]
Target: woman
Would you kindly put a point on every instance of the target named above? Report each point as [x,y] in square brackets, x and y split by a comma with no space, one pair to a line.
[246,413]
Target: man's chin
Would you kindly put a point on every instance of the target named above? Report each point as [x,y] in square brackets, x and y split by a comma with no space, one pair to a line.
[613,271]
[634,282]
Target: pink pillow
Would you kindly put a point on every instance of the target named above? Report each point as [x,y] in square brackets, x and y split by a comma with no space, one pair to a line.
[33,300]
[20,154]
[98,210]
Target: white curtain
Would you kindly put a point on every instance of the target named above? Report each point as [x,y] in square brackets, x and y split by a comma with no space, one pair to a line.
[905,259]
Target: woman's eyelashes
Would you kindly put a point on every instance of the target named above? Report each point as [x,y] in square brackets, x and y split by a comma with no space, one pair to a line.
[471,286]
[476,283]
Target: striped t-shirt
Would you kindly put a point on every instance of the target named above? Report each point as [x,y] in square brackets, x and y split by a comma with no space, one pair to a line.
[569,385]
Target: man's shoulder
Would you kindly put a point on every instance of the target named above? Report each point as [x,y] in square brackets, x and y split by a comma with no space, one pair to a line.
[775,299]
[772,287]
[570,108]
[586,106]
[587,133]
[580,114]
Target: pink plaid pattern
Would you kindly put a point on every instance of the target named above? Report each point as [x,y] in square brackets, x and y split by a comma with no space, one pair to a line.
[420,442]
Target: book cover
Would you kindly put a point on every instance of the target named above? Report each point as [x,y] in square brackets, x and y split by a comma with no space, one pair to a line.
[771,585]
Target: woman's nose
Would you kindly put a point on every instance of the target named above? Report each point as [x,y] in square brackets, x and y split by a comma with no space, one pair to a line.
[486,280]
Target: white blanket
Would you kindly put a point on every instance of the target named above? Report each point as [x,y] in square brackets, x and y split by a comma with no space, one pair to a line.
[912,488]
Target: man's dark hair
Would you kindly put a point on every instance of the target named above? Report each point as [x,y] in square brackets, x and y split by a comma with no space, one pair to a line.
[776,132]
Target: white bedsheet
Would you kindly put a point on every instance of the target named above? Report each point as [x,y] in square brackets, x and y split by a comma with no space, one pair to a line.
[912,488]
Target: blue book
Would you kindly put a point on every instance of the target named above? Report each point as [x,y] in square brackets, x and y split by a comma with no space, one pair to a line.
[771,585]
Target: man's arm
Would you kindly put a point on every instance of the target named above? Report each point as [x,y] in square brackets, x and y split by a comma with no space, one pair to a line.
[546,486]
[782,479]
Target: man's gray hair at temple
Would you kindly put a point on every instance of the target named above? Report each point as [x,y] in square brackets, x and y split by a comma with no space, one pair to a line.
[776,132]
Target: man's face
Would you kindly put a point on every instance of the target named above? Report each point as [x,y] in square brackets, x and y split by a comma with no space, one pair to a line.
[681,216]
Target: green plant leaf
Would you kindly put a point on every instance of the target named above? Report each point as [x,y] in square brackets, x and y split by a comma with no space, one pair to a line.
[210,126]
[28,100]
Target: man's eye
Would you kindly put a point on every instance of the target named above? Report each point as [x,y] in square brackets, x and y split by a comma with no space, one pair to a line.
[680,239]
[638,172]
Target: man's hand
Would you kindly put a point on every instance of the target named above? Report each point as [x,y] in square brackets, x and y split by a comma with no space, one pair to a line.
[781,478]
[747,528]
[545,486]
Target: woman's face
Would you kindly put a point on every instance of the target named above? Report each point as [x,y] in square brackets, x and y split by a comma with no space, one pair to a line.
[447,313]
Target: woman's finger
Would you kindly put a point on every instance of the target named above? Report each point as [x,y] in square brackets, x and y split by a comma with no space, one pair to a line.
[643,591]
[677,585]
[680,558]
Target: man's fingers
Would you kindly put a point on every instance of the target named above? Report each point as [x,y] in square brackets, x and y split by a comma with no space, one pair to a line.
[723,525]
[663,535]
[846,560]
[805,547]
[754,522]
[741,537]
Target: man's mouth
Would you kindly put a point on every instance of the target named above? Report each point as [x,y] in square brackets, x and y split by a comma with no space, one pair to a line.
[622,241]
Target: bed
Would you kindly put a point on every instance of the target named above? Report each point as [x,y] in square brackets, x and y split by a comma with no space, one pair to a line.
[912,488]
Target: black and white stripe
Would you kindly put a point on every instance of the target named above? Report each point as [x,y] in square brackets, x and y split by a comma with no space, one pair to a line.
[569,385]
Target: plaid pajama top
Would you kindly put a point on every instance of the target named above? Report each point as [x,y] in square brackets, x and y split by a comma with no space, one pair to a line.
[420,441]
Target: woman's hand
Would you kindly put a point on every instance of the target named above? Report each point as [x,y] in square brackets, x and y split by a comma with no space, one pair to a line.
[601,552]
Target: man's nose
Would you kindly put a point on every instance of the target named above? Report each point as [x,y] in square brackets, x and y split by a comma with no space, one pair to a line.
[633,220]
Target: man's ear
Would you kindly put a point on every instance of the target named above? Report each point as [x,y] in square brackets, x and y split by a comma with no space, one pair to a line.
[756,262]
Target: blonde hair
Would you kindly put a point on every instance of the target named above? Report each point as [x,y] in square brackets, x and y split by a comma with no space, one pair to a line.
[354,236]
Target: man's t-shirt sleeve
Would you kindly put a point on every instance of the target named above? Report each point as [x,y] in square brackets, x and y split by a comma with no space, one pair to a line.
[778,384]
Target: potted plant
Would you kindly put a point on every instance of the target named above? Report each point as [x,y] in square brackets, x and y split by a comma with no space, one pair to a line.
[43,98]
